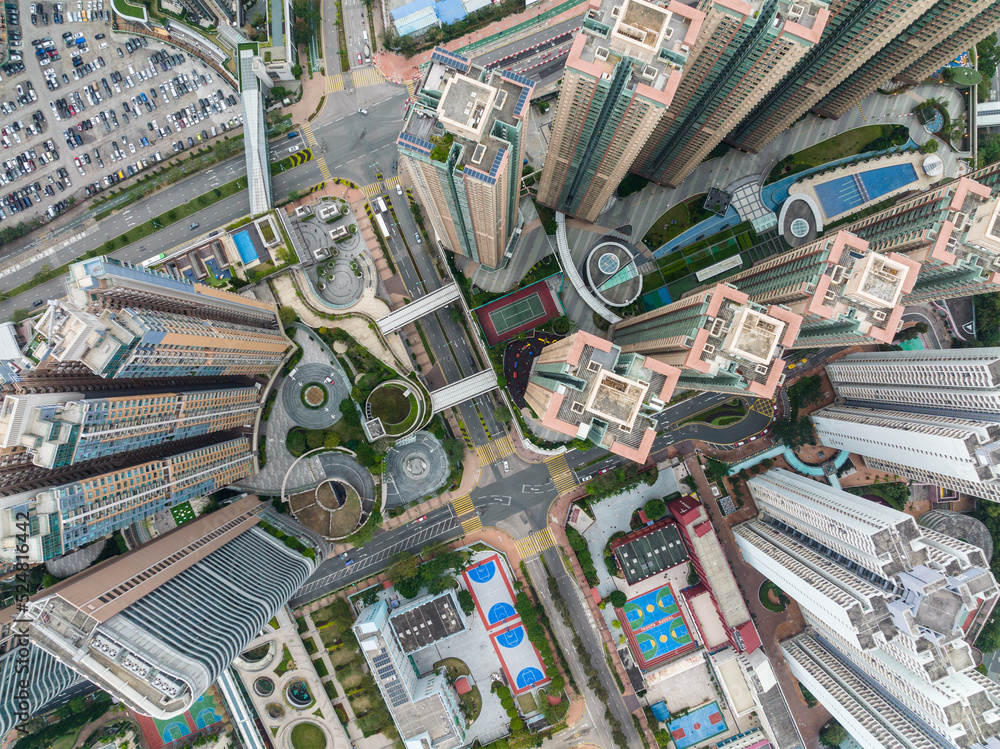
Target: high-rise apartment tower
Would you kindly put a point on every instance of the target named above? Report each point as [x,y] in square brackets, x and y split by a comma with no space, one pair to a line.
[463,146]
[891,609]
[743,51]
[621,76]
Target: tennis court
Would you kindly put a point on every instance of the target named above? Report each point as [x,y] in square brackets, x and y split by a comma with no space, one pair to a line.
[697,726]
[656,628]
[517,314]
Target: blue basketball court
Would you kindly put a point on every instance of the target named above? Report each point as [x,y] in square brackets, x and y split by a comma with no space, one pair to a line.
[492,592]
[520,661]
[697,726]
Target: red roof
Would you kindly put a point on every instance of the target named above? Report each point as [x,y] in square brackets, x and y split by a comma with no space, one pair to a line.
[595,595]
[751,640]
[686,510]
[643,517]
[462,685]
[702,528]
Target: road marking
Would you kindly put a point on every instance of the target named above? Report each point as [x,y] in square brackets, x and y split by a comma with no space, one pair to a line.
[535,544]
[463,505]
[562,475]
[472,525]
[495,451]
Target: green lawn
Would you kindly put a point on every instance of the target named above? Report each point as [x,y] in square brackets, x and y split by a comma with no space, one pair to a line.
[287,664]
[320,667]
[678,219]
[67,741]
[308,736]
[838,147]
[182,513]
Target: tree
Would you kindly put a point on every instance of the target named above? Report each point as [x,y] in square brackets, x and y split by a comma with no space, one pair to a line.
[258,20]
[314,438]
[296,442]
[716,470]
[410,587]
[655,509]
[502,414]
[832,734]
[331,440]
[49,580]
[287,316]
[405,565]
[617,599]
[930,146]
[455,450]
[19,314]
[911,332]
[467,602]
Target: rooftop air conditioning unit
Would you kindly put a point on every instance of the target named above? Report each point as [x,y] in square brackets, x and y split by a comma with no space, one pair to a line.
[601,53]
[879,314]
[649,73]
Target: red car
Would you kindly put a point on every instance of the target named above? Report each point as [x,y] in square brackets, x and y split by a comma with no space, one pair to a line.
[359,58]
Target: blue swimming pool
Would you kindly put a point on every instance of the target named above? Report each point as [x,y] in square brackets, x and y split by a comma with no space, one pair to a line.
[840,195]
[245,247]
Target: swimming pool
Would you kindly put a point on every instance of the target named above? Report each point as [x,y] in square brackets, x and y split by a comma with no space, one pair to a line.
[245,247]
[840,195]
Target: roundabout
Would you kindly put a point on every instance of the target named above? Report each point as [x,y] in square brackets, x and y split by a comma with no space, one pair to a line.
[415,467]
[312,394]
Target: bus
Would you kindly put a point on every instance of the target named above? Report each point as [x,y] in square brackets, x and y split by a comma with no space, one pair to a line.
[380,204]
[381,225]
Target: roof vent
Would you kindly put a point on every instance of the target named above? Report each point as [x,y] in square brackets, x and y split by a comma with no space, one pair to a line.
[616,11]
[577,407]
[601,53]
[649,73]
[878,314]
[838,274]
[593,366]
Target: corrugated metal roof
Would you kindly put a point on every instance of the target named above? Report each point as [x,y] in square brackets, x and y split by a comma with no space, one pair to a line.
[9,347]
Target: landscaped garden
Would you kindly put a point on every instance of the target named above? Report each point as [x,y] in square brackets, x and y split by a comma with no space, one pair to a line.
[396,406]
[724,414]
[315,395]
[772,597]
[853,142]
[472,701]
[676,220]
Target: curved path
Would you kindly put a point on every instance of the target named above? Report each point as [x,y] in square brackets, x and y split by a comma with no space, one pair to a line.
[569,267]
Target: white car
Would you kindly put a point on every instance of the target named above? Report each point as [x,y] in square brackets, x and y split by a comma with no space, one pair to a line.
[104,45]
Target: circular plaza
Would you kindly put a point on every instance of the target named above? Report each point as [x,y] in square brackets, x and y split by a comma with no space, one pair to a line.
[312,394]
[415,467]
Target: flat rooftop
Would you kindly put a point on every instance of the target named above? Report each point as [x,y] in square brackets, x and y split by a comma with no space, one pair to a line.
[649,551]
[423,625]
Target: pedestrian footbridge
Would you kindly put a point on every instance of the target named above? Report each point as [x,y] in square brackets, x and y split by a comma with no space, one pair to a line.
[463,390]
[418,308]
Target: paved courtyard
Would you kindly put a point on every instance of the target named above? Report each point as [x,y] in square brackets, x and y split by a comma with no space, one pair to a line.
[415,467]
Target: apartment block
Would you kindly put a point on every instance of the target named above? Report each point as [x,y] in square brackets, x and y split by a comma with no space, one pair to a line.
[37,526]
[949,451]
[718,338]
[952,231]
[425,708]
[106,283]
[945,30]
[964,382]
[844,291]
[138,343]
[462,147]
[891,609]
[743,51]
[62,429]
[155,627]
[621,77]
[856,30]
[587,388]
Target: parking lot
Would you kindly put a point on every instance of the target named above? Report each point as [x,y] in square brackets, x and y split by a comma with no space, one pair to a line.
[83,109]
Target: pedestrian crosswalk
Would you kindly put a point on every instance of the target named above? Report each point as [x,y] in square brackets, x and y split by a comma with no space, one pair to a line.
[310,138]
[472,525]
[323,168]
[366,77]
[372,190]
[562,475]
[462,505]
[390,184]
[535,544]
[496,450]
[411,87]
[334,83]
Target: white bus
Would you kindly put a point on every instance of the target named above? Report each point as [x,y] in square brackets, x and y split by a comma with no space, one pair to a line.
[380,204]
[381,225]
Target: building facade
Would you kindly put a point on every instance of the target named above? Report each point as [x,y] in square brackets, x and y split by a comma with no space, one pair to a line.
[941,33]
[855,31]
[587,388]
[952,231]
[621,76]
[422,706]
[462,147]
[155,627]
[37,526]
[890,609]
[844,291]
[743,51]
[963,382]
[718,339]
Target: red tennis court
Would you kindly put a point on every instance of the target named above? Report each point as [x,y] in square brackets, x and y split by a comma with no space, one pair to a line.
[518,312]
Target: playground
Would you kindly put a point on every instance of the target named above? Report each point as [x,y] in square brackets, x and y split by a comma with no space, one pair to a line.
[697,726]
[656,629]
[491,590]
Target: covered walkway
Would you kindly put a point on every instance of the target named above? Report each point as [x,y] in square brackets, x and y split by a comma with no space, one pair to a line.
[463,390]
[418,308]
[569,266]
